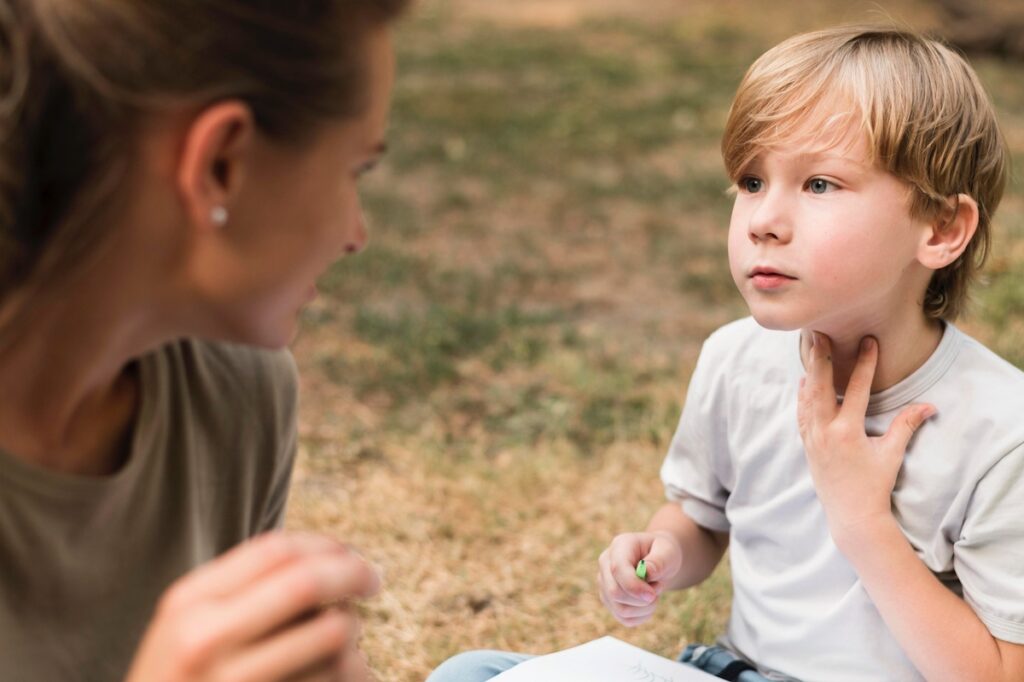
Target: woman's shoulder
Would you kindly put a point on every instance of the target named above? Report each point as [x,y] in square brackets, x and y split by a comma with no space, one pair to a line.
[226,365]
[211,377]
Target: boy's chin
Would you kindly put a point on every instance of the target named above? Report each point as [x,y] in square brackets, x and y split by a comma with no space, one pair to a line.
[776,321]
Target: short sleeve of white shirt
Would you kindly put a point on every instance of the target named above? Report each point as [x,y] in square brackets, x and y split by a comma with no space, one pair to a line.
[691,472]
[989,556]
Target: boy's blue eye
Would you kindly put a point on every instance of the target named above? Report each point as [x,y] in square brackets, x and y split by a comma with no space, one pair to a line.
[751,184]
[820,185]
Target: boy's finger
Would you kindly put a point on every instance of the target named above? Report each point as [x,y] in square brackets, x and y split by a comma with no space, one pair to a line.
[906,424]
[803,408]
[858,391]
[636,611]
[821,392]
[656,563]
[618,587]
[625,588]
[632,622]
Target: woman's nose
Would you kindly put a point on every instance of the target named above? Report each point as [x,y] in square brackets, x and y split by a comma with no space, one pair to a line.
[358,237]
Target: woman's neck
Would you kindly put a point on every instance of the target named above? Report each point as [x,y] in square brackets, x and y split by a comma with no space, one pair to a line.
[70,386]
[904,343]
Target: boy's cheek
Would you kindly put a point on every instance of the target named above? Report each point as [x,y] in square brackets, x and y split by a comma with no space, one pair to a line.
[738,245]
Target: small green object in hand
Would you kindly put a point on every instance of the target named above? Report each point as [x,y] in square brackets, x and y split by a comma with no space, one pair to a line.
[641,570]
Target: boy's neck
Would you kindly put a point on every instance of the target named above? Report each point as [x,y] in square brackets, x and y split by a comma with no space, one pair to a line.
[904,345]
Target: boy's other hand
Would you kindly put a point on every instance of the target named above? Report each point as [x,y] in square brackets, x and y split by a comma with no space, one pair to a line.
[853,473]
[271,609]
[631,600]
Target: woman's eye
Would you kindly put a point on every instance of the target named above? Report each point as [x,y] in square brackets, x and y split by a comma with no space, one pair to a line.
[820,185]
[365,168]
[751,185]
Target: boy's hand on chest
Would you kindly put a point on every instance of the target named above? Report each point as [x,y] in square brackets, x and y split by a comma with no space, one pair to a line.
[853,473]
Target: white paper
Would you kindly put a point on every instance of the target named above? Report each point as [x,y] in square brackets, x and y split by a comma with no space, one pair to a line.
[603,660]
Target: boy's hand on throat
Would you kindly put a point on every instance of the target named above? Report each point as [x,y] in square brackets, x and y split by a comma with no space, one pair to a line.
[853,473]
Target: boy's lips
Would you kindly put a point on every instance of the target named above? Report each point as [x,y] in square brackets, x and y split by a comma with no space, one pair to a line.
[767,278]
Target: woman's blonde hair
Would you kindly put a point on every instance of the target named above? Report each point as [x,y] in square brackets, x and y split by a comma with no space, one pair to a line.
[927,118]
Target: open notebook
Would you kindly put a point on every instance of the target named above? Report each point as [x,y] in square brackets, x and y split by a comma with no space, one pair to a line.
[603,660]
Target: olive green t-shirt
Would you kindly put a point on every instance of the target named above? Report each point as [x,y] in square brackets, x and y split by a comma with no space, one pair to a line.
[83,560]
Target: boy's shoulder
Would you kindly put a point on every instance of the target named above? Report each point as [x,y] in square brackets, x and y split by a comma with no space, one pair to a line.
[989,371]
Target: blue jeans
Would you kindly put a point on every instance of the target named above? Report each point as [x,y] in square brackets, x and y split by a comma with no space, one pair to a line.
[476,666]
[481,666]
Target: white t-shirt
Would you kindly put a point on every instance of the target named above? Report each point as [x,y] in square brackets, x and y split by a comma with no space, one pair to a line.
[737,464]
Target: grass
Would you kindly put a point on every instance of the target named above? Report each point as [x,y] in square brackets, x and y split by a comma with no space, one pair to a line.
[489,389]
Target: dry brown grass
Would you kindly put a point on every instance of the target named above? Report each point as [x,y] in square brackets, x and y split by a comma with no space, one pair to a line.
[485,481]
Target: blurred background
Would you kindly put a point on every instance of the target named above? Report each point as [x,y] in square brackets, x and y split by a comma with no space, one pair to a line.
[489,389]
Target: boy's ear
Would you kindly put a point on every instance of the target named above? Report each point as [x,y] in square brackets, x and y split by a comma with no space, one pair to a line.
[212,162]
[949,233]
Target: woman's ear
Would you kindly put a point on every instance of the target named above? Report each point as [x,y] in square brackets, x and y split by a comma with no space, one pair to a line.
[949,233]
[212,163]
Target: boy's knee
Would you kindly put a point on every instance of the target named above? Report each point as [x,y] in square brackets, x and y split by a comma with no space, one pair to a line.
[476,666]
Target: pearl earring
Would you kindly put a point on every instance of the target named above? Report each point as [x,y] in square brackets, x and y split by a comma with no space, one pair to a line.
[219,216]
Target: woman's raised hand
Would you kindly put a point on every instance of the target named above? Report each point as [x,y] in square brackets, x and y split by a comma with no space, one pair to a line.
[274,608]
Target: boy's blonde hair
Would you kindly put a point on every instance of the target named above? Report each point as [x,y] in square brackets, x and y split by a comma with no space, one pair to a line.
[928,120]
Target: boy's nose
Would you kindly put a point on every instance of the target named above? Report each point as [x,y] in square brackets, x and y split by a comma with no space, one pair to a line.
[760,233]
[768,222]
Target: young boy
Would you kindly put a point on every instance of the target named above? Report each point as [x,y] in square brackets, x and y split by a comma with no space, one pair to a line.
[868,165]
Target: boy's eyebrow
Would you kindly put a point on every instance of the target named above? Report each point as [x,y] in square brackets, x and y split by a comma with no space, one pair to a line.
[830,156]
